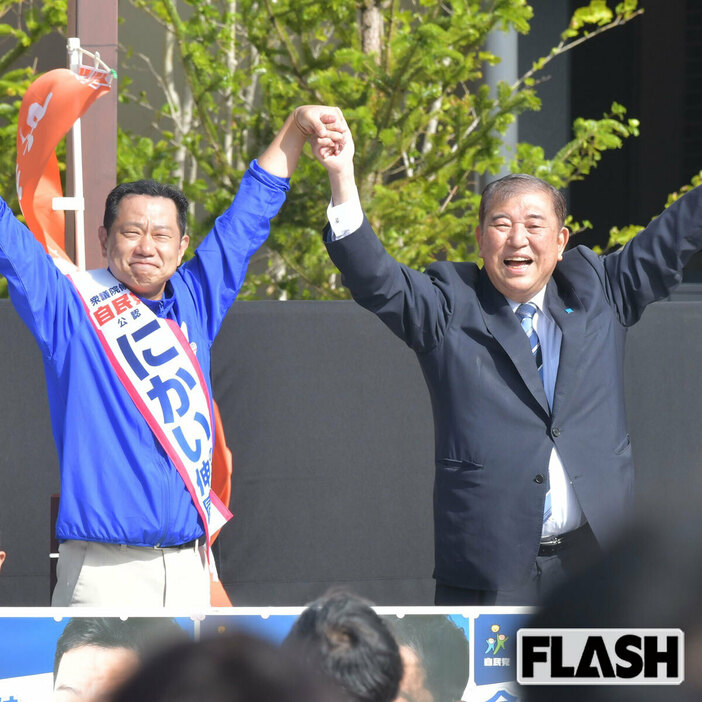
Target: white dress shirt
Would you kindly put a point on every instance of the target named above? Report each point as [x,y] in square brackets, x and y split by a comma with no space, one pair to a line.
[566,513]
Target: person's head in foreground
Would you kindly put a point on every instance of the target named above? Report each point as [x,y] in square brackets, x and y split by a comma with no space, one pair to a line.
[231,668]
[342,636]
[94,655]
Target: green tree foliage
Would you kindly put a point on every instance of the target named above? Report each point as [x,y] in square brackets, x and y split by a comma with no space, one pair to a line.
[409,77]
[22,24]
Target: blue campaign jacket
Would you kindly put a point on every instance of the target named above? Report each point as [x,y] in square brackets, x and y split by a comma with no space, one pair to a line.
[117,484]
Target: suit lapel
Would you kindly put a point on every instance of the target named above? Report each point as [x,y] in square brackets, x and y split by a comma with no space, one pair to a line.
[503,324]
[568,314]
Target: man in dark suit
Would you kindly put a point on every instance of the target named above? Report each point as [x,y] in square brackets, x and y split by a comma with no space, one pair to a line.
[523,360]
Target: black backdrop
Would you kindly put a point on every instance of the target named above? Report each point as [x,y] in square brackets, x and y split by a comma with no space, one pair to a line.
[330,425]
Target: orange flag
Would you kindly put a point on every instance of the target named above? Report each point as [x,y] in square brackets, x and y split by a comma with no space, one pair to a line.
[222,485]
[221,462]
[51,105]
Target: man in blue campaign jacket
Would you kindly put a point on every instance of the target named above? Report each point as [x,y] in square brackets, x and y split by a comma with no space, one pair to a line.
[130,531]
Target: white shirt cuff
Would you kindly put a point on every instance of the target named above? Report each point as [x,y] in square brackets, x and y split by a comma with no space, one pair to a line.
[345,218]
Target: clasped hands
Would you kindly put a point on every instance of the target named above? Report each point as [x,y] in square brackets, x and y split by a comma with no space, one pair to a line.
[328,134]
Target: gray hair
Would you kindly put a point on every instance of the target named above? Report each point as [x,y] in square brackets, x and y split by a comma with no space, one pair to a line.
[515,184]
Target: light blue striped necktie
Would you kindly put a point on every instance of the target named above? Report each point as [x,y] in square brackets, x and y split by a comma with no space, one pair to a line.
[525,313]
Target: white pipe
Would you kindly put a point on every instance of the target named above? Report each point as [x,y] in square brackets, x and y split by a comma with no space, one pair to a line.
[74,61]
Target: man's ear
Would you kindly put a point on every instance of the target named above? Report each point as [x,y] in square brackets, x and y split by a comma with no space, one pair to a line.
[184,241]
[479,239]
[2,557]
[563,237]
[102,235]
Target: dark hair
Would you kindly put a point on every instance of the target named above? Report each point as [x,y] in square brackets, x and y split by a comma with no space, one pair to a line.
[152,188]
[441,648]
[517,183]
[230,668]
[140,635]
[342,636]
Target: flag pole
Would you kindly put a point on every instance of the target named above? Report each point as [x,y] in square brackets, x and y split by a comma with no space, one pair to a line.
[100,72]
[74,61]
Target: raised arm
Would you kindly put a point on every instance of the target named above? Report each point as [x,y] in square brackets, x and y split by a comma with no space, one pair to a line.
[326,124]
[650,266]
[41,294]
[216,272]
[415,306]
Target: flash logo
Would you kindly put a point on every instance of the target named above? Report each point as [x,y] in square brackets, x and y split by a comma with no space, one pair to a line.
[600,656]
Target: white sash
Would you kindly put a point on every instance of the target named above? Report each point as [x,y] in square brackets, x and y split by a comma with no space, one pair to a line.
[154,361]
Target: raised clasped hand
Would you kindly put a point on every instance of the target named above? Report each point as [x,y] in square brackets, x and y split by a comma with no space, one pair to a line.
[325,124]
[336,157]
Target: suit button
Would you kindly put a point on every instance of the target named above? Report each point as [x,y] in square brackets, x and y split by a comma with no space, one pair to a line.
[555,431]
[539,479]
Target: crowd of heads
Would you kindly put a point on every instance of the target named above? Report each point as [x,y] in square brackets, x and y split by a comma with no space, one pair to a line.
[338,650]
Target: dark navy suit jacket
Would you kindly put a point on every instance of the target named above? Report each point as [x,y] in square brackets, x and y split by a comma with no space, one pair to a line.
[493,428]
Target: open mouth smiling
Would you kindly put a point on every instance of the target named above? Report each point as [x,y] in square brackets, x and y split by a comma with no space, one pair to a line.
[518,263]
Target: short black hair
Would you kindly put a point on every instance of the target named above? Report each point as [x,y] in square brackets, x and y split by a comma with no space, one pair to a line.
[152,188]
[138,634]
[515,184]
[341,635]
[235,667]
[442,649]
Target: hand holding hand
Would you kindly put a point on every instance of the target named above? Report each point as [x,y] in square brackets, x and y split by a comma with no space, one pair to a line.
[324,123]
[321,122]
[335,156]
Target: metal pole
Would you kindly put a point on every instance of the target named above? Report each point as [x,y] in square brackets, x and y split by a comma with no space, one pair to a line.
[504,45]
[77,150]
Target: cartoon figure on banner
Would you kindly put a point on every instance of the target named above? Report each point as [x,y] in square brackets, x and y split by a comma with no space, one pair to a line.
[501,638]
[495,644]
[35,114]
